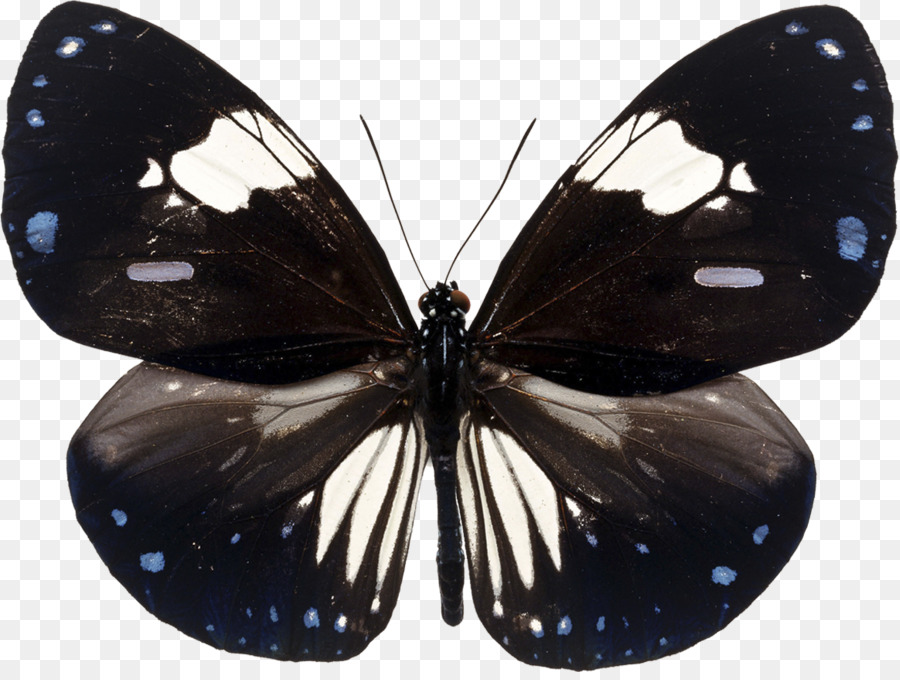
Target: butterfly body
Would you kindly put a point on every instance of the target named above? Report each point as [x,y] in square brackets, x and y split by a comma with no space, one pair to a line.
[616,490]
[443,365]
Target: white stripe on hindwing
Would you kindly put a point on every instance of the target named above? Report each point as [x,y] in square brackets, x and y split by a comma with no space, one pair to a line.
[383,468]
[523,495]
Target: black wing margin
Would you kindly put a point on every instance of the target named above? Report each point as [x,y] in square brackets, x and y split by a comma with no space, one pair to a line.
[266,520]
[156,207]
[611,530]
[739,212]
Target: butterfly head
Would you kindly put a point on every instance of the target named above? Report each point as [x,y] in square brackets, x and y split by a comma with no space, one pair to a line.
[444,301]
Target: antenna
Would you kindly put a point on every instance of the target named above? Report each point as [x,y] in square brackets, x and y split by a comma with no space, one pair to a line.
[394,205]
[506,177]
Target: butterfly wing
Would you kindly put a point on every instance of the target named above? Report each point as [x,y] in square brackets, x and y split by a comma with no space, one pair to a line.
[738,212]
[611,530]
[269,520]
[155,207]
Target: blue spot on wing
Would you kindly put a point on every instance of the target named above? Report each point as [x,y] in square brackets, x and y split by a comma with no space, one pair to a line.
[311,618]
[724,576]
[119,517]
[41,231]
[70,46]
[340,623]
[860,85]
[861,124]
[830,48]
[40,81]
[153,562]
[34,118]
[105,27]
[235,539]
[564,627]
[642,549]
[273,614]
[760,533]
[795,28]
[601,624]
[852,236]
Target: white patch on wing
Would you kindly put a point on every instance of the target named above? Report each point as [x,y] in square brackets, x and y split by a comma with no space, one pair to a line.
[729,277]
[513,514]
[232,161]
[608,150]
[153,176]
[160,271]
[740,180]
[669,172]
[381,469]
[522,491]
[396,535]
[376,487]
[246,119]
[644,123]
[718,203]
[596,144]
[174,201]
[472,491]
[343,485]
[283,147]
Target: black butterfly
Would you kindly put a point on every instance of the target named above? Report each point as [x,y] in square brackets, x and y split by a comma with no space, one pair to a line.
[255,484]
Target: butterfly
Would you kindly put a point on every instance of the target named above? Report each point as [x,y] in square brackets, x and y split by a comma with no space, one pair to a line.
[617,491]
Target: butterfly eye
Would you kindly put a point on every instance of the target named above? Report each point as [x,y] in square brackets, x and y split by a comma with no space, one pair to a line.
[460,300]
[422,302]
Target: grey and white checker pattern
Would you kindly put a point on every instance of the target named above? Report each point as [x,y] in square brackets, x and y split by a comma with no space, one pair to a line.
[448,91]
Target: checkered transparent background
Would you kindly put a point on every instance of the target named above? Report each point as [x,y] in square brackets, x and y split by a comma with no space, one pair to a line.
[448,91]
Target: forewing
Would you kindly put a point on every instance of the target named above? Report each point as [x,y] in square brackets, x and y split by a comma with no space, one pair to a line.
[738,212]
[265,520]
[611,530]
[156,207]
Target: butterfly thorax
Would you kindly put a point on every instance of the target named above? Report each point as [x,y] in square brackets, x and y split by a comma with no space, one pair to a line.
[442,381]
[442,355]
